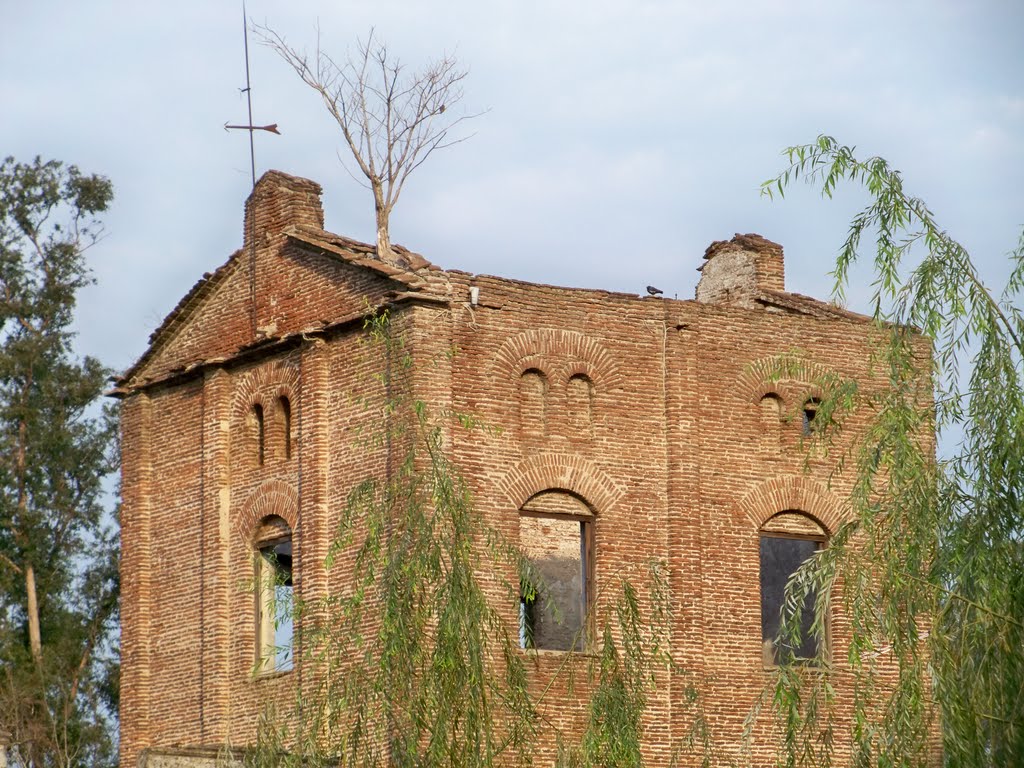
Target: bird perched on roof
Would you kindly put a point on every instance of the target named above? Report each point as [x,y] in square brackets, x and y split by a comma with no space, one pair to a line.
[654,291]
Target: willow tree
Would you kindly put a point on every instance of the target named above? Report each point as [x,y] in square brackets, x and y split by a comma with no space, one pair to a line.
[931,566]
[58,550]
[413,663]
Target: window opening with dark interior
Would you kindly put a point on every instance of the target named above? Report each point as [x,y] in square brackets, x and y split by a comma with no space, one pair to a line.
[809,415]
[274,596]
[556,531]
[284,410]
[260,430]
[787,541]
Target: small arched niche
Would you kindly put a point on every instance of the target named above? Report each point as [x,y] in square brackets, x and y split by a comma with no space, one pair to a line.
[284,426]
[556,535]
[258,429]
[771,423]
[580,397]
[787,540]
[533,394]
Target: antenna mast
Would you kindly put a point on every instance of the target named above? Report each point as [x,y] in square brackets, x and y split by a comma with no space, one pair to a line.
[248,94]
[272,128]
[252,164]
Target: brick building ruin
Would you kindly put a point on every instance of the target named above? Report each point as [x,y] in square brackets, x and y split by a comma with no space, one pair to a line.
[636,427]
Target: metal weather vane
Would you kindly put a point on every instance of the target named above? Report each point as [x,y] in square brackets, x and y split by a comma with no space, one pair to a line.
[272,128]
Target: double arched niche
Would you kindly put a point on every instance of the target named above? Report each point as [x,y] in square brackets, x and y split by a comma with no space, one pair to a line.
[265,415]
[541,407]
[270,435]
[778,416]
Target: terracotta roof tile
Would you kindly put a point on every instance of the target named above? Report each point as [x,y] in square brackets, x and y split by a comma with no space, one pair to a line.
[807,305]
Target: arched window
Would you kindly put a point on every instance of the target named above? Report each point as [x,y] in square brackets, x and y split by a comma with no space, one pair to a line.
[810,412]
[260,432]
[533,389]
[284,415]
[274,596]
[771,420]
[556,534]
[581,405]
[787,540]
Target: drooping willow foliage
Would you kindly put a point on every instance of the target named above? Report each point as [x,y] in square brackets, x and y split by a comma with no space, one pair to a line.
[412,662]
[930,568]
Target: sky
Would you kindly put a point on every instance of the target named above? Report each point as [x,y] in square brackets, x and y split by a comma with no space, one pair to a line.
[617,141]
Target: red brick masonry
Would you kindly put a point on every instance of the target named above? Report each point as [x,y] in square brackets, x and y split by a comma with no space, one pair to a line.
[649,410]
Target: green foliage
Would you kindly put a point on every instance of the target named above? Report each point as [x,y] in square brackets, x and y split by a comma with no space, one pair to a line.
[929,569]
[58,695]
[414,663]
[624,673]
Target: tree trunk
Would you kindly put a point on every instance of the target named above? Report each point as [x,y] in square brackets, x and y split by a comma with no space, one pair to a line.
[384,251]
[35,641]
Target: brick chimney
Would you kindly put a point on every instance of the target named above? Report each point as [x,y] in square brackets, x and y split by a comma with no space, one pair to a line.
[736,271]
[280,201]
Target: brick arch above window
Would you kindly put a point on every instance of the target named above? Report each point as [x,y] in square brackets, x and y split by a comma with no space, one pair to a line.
[265,385]
[785,376]
[792,493]
[560,472]
[560,354]
[273,498]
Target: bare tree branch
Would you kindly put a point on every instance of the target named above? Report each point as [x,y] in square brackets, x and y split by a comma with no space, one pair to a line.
[392,120]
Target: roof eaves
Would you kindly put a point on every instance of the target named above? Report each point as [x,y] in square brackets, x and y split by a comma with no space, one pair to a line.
[180,314]
[125,386]
[808,305]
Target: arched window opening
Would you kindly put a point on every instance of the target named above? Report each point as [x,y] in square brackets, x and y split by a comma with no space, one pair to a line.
[284,411]
[771,420]
[809,414]
[788,540]
[581,405]
[556,534]
[275,607]
[259,429]
[533,388]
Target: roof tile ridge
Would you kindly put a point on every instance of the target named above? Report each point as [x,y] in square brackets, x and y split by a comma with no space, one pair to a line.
[415,262]
[809,303]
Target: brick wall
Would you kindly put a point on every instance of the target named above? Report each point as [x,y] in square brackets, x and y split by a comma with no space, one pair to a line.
[649,411]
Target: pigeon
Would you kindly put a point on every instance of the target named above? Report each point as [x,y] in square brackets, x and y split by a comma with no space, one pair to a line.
[654,291]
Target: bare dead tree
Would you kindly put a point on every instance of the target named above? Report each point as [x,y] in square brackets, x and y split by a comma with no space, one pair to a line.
[392,119]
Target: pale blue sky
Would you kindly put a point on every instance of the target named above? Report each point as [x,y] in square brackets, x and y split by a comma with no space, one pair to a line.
[621,137]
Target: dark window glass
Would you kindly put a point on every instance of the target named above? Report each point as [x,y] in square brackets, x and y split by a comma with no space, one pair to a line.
[810,412]
[780,558]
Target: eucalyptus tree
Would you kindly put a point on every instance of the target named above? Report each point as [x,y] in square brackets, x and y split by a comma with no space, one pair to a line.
[930,569]
[58,550]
